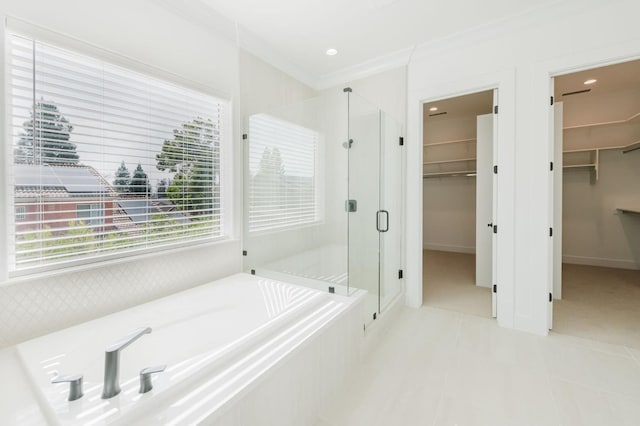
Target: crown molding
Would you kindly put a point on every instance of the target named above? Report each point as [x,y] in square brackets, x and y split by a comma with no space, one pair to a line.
[368,68]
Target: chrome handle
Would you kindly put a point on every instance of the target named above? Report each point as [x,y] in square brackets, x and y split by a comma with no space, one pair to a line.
[128,339]
[145,377]
[386,228]
[75,385]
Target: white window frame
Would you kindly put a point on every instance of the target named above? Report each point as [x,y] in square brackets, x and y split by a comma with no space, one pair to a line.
[227,154]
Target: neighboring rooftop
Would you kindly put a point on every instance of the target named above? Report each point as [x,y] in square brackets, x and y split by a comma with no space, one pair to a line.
[60,181]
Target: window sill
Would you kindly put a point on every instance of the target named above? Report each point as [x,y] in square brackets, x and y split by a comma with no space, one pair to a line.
[16,277]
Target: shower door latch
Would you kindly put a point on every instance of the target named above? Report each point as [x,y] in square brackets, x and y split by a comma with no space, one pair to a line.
[386,221]
[351,206]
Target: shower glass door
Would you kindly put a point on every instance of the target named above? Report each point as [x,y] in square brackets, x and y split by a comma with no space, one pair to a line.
[365,218]
[391,201]
[374,204]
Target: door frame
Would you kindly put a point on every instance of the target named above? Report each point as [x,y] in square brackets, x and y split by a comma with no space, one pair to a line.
[505,81]
[495,144]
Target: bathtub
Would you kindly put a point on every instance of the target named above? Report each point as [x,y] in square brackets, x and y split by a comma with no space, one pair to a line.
[229,346]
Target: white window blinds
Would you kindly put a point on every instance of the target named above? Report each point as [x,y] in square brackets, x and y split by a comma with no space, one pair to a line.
[106,161]
[283,174]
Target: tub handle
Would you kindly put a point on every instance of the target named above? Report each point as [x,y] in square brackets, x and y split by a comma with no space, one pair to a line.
[75,385]
[145,377]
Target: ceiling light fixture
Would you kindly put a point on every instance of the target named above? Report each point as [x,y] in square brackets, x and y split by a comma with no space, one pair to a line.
[332,52]
[590,81]
[433,109]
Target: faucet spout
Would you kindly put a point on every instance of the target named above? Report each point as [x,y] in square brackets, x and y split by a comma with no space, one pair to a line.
[112,362]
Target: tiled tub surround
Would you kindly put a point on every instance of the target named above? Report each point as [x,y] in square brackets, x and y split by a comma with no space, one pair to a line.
[241,350]
[31,307]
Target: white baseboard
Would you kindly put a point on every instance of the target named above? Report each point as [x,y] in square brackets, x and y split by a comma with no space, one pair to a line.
[597,261]
[444,247]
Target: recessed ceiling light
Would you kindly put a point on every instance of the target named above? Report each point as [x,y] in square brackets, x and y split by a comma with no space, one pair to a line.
[433,109]
[332,52]
[590,81]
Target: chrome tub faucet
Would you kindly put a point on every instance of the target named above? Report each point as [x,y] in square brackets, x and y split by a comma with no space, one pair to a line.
[112,362]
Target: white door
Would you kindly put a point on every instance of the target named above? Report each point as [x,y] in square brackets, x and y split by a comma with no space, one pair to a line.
[484,201]
[555,280]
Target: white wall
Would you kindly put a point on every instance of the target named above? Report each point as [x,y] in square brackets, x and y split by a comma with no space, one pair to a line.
[594,233]
[151,36]
[449,214]
[517,56]
[449,203]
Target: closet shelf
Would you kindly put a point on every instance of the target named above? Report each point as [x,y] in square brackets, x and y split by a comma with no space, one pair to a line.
[578,166]
[427,145]
[626,210]
[466,173]
[631,120]
[632,147]
[459,160]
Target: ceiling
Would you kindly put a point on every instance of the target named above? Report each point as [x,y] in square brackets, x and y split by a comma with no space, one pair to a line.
[614,97]
[612,78]
[468,105]
[295,34]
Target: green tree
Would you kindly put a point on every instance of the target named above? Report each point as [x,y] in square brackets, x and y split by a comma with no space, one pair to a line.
[123,178]
[45,138]
[162,186]
[139,183]
[190,155]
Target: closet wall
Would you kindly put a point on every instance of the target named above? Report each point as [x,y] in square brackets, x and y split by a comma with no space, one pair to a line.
[594,232]
[449,194]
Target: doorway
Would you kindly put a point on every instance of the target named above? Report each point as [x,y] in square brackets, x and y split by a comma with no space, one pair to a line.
[458,203]
[596,207]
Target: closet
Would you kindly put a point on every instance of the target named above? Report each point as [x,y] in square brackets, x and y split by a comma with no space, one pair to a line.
[458,142]
[596,214]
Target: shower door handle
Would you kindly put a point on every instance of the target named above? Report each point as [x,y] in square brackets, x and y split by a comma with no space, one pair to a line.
[386,221]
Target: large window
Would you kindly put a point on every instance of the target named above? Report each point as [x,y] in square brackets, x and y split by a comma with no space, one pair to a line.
[97,144]
[283,159]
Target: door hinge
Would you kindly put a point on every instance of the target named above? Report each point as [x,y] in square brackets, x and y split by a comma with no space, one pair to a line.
[253,272]
[551,166]
[551,232]
[244,252]
[401,140]
[375,316]
[552,100]
[495,288]
[495,170]
[495,229]
[400,274]
[244,136]
[550,297]
[495,109]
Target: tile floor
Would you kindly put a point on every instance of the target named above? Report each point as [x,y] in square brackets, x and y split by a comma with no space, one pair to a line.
[447,363]
[438,367]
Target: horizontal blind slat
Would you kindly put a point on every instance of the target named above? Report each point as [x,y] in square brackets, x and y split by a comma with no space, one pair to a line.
[87,110]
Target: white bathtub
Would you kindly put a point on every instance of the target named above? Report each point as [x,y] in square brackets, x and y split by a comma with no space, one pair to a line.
[222,342]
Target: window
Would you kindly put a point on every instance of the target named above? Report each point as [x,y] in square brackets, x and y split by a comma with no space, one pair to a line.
[90,214]
[98,144]
[283,174]
[21,213]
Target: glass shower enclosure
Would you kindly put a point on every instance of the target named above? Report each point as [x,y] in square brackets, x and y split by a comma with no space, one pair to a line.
[323,197]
